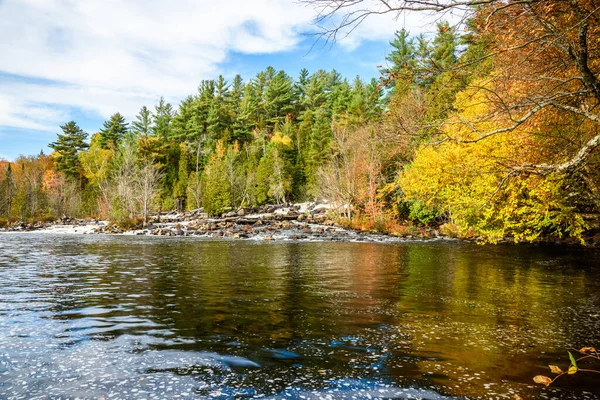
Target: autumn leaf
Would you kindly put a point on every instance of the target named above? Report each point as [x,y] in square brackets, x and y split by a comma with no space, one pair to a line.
[541,379]
[587,350]
[555,369]
[572,370]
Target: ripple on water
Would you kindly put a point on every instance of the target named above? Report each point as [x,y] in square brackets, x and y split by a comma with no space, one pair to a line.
[138,318]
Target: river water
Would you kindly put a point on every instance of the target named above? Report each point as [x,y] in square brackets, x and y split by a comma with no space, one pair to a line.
[118,317]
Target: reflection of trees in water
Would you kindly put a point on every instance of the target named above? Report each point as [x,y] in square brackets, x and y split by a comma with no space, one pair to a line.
[272,291]
[453,309]
[492,309]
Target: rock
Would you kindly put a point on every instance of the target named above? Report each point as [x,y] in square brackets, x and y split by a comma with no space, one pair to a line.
[241,212]
[319,219]
[268,237]
[269,209]
[286,225]
[320,209]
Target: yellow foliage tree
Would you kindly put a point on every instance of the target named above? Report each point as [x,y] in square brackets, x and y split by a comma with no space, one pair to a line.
[96,164]
[467,180]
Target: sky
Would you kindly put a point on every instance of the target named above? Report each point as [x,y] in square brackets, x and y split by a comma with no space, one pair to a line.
[65,60]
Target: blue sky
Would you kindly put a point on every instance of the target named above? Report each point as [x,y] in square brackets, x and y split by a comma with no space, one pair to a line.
[85,60]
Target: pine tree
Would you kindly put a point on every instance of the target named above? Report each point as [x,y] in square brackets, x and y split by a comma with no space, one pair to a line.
[341,99]
[180,190]
[162,119]
[300,89]
[317,92]
[67,148]
[319,146]
[216,190]
[143,122]
[443,55]
[113,132]
[248,116]
[402,62]
[358,107]
[219,115]
[7,191]
[278,98]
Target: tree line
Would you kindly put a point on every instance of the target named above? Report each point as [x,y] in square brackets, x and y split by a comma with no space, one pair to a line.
[488,130]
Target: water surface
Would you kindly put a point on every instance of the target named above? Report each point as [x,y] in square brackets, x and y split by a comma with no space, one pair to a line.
[143,317]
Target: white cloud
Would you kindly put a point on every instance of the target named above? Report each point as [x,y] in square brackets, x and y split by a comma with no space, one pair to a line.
[102,56]
[109,55]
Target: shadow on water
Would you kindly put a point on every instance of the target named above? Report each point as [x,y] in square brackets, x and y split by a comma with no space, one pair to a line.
[127,317]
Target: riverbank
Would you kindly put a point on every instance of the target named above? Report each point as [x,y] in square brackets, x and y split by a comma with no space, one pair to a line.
[302,221]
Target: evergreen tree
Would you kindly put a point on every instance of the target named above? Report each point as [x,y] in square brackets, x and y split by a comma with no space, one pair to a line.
[443,54]
[219,115]
[341,99]
[216,196]
[248,116]
[278,98]
[113,131]
[437,57]
[143,122]
[180,191]
[374,95]
[402,62]
[7,191]
[317,92]
[237,90]
[300,89]
[182,126]
[319,146]
[67,148]
[162,119]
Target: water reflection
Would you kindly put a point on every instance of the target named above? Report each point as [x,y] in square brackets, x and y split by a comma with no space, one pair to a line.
[126,317]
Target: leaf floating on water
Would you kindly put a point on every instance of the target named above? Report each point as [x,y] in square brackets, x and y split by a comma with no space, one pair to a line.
[572,370]
[587,350]
[573,362]
[555,369]
[544,380]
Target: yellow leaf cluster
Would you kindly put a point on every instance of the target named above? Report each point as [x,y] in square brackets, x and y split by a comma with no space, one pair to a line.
[469,181]
[280,139]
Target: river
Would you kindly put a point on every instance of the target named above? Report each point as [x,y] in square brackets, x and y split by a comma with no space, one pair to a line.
[118,317]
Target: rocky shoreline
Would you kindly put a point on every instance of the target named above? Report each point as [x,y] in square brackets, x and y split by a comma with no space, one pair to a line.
[296,222]
[304,221]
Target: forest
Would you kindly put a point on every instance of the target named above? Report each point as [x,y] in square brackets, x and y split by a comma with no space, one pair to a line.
[487,130]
